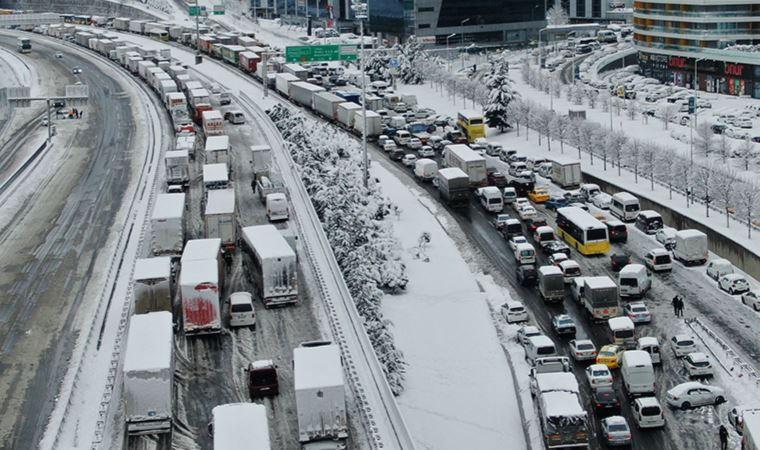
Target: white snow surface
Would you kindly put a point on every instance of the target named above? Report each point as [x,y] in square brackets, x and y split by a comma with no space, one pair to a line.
[459,391]
[199,271]
[268,241]
[220,201]
[152,268]
[168,206]
[317,367]
[150,342]
[196,249]
[561,381]
[240,426]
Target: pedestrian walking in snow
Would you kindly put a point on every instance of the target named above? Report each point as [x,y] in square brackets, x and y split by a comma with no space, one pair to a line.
[723,433]
[680,306]
[675,305]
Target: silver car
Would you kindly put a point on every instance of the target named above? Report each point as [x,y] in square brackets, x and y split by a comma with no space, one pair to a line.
[752,299]
[615,431]
[698,364]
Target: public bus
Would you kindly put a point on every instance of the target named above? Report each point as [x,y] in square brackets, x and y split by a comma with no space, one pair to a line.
[472,124]
[582,231]
[24,45]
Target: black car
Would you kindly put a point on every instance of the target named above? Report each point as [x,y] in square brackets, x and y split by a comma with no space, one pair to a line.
[619,260]
[553,247]
[605,401]
[527,275]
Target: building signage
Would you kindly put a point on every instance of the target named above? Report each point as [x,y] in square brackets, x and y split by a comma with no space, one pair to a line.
[678,62]
[734,70]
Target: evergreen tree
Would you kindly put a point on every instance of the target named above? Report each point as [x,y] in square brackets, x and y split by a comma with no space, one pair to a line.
[410,56]
[501,94]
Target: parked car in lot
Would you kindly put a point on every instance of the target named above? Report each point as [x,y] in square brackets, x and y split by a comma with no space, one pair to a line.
[563,325]
[582,349]
[733,283]
[527,275]
[514,311]
[598,375]
[716,268]
[682,345]
[698,364]
[692,394]
[526,332]
[637,312]
[605,401]
[667,237]
[752,299]
[658,260]
[615,431]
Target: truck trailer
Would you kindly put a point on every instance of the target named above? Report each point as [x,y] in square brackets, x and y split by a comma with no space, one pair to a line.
[454,187]
[219,217]
[302,92]
[691,247]
[463,157]
[566,173]
[271,265]
[217,149]
[167,224]
[152,285]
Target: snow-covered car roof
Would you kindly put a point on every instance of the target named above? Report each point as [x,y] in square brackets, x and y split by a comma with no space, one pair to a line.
[556,381]
[648,341]
[683,387]
[734,277]
[568,264]
[698,357]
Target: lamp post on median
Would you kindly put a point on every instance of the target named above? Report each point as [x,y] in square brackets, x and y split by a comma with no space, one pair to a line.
[448,52]
[694,83]
[461,31]
[361,14]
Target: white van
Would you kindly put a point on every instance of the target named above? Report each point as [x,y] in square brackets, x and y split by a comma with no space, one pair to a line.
[647,413]
[491,199]
[538,347]
[651,345]
[589,191]
[510,194]
[242,313]
[402,138]
[625,206]
[425,169]
[637,373]
[622,332]
[525,254]
[634,281]
[277,207]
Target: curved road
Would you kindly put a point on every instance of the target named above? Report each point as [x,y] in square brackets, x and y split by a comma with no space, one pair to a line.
[50,247]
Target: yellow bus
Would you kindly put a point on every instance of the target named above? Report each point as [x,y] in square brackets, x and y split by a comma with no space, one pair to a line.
[472,124]
[582,231]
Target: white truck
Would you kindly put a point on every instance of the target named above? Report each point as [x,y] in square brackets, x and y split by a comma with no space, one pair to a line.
[326,104]
[240,425]
[302,92]
[215,176]
[296,70]
[271,265]
[564,422]
[466,159]
[167,224]
[217,149]
[320,393]
[346,113]
[599,295]
[177,163]
[200,280]
[213,123]
[751,430]
[282,82]
[149,374]
[425,169]
[374,123]
[219,217]
[152,285]
[566,173]
[261,160]
[691,247]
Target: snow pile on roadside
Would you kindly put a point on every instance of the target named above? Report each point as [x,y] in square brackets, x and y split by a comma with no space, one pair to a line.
[363,243]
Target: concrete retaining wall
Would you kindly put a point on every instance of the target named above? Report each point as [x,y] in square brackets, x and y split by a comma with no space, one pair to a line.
[719,244]
[628,60]
[91,7]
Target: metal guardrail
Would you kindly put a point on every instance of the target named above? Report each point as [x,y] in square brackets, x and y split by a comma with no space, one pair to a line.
[378,408]
[738,362]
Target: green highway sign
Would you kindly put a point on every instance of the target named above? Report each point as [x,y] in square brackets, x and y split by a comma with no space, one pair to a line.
[194,11]
[307,53]
[218,10]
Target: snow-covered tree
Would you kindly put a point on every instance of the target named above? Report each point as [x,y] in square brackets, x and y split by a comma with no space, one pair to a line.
[704,180]
[556,15]
[649,151]
[667,161]
[377,66]
[668,113]
[724,147]
[525,110]
[616,143]
[500,95]
[632,108]
[542,117]
[410,54]
[604,98]
[591,96]
[746,152]
[725,185]
[578,94]
[684,178]
[560,129]
[747,199]
[705,139]
[633,156]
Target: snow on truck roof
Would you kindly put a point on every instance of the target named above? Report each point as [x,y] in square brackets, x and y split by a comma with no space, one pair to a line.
[620,323]
[581,218]
[212,115]
[149,342]
[267,241]
[214,143]
[317,367]
[240,426]
[308,86]
[349,105]
[648,341]
[220,201]
[625,197]
[630,269]
[600,282]
[151,268]
[464,152]
[470,114]
[168,206]
[452,172]
[199,271]
[684,234]
[556,381]
[562,404]
[637,358]
[548,270]
[214,172]
[196,249]
[176,154]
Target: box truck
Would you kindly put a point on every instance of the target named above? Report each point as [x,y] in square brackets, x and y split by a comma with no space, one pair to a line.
[296,70]
[200,287]
[346,112]
[261,160]
[152,285]
[213,123]
[271,265]
[215,176]
[691,247]
[326,104]
[148,374]
[238,426]
[425,169]
[454,187]
[219,217]
[471,163]
[374,123]
[320,393]
[566,173]
[217,149]
[167,225]
[283,81]
[301,92]
[248,61]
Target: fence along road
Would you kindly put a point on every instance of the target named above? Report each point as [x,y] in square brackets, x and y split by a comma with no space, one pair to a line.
[379,412]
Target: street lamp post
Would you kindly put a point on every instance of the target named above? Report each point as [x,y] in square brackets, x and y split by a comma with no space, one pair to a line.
[461,31]
[540,49]
[694,84]
[448,52]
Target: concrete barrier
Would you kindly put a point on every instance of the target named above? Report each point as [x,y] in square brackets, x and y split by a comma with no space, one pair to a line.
[92,7]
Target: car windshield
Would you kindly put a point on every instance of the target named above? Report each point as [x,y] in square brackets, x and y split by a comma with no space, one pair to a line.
[624,334]
[638,309]
[700,363]
[502,217]
[606,353]
[565,321]
[598,234]
[584,346]
[662,259]
[650,411]
[263,377]
[599,373]
[686,343]
[241,308]
[516,309]
[617,427]
[631,208]
[628,282]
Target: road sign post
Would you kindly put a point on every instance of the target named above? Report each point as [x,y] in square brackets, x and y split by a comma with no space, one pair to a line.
[308,53]
[194,10]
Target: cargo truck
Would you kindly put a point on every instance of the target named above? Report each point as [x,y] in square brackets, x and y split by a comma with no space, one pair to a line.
[283,81]
[374,123]
[551,284]
[319,392]
[148,374]
[691,247]
[217,149]
[271,265]
[751,430]
[301,92]
[237,426]
[177,163]
[599,296]
[346,113]
[186,141]
[261,160]
[296,70]
[326,104]
[152,285]
[454,187]
[200,287]
[566,173]
[167,225]
[248,61]
[564,422]
[215,176]
[213,123]
[219,217]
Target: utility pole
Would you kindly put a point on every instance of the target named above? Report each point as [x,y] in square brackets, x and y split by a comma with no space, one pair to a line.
[461,31]
[364,102]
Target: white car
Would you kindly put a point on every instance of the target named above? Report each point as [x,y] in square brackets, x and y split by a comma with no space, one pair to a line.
[698,364]
[570,269]
[743,122]
[409,160]
[733,283]
[557,258]
[598,375]
[514,311]
[719,267]
[637,312]
[414,143]
[382,140]
[752,299]
[615,431]
[602,200]
[526,212]
[76,70]
[582,349]
[667,237]
[526,332]
[521,202]
[682,345]
[58,55]
[426,151]
[658,260]
[692,393]
[517,240]
[389,146]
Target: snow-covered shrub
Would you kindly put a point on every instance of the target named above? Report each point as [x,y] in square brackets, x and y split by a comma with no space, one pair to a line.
[368,254]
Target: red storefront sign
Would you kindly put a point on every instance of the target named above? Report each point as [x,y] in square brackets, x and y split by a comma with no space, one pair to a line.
[734,70]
